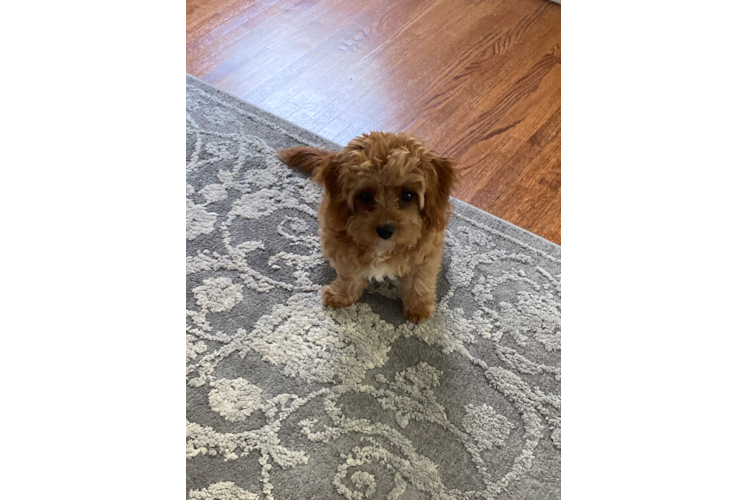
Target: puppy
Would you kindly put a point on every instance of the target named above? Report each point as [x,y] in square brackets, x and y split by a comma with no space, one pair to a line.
[383,213]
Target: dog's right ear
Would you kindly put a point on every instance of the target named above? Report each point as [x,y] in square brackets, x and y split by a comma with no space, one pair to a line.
[326,169]
[330,174]
[309,160]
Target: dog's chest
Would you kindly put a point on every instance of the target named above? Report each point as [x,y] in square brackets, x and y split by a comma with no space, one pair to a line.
[385,265]
[380,270]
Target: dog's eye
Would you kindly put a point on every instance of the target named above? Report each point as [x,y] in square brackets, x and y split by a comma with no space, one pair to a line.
[365,198]
[407,196]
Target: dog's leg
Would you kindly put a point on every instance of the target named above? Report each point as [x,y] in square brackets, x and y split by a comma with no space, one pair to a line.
[344,291]
[418,290]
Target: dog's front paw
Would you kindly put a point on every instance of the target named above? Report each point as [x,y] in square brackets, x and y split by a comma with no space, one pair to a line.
[333,299]
[418,313]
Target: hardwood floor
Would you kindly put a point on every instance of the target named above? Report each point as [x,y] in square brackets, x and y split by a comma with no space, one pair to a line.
[480,80]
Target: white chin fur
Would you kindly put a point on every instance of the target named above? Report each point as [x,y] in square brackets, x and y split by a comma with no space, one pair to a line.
[384,245]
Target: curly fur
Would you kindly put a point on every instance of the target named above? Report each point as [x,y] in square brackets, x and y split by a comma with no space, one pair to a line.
[381,179]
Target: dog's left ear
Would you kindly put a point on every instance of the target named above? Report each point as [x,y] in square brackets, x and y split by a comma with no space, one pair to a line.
[441,177]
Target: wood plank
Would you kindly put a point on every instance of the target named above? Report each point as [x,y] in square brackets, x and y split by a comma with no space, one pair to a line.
[478,79]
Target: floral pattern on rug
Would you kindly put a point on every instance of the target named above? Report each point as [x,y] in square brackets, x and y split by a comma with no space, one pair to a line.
[290,399]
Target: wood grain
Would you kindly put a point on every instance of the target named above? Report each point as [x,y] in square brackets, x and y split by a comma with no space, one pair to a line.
[479,80]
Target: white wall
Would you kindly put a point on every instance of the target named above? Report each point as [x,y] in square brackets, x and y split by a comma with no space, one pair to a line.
[568,310]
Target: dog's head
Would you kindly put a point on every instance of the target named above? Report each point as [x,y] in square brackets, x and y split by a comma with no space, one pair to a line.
[387,189]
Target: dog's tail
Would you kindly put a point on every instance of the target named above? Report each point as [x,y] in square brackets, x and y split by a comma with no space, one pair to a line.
[309,160]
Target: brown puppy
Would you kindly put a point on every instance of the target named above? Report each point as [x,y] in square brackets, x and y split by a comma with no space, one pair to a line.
[383,213]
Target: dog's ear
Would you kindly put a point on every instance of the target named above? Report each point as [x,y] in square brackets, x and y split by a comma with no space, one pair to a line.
[309,160]
[441,177]
[330,174]
[326,169]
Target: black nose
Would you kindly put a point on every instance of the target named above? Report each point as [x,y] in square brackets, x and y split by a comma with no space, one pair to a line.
[385,230]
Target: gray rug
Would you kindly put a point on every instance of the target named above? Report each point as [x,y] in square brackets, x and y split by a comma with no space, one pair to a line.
[289,400]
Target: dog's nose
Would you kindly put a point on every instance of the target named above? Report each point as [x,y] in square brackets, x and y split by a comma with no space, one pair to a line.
[385,230]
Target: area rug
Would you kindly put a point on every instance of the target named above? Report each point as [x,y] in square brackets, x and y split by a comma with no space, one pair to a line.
[290,400]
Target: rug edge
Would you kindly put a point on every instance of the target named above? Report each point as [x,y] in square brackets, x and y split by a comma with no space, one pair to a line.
[519,232]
